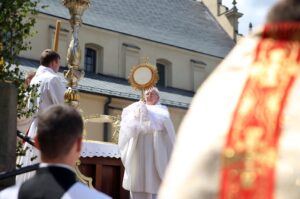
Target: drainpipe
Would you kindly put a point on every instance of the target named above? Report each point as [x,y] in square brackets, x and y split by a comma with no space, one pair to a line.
[105,125]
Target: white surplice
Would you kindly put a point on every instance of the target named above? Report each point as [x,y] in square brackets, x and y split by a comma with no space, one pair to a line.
[51,91]
[146,140]
[77,191]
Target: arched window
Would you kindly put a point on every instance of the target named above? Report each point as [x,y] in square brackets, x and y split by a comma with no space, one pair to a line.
[90,61]
[93,58]
[164,68]
[161,69]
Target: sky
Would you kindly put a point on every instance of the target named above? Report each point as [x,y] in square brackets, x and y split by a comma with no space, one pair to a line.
[254,11]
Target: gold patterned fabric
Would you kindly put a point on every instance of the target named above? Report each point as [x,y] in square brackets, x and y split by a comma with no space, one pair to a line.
[249,157]
[240,136]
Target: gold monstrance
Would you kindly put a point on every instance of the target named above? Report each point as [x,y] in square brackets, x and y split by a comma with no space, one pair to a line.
[143,76]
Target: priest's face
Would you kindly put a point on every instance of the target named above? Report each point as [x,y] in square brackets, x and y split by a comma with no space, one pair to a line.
[151,97]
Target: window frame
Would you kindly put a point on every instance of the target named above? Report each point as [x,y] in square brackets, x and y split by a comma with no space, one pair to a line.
[90,55]
[167,70]
[99,57]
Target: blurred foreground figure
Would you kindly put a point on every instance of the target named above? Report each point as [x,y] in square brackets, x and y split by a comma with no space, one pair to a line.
[240,137]
[59,138]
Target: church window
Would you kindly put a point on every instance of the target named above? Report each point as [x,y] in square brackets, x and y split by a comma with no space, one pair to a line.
[198,74]
[90,60]
[93,59]
[164,68]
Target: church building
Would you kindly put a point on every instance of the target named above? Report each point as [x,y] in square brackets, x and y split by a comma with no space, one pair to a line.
[185,39]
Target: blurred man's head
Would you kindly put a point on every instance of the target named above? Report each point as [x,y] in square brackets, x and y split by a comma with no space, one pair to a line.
[59,134]
[285,10]
[51,59]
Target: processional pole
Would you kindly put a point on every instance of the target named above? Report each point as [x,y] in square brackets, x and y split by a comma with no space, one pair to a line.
[74,73]
[56,35]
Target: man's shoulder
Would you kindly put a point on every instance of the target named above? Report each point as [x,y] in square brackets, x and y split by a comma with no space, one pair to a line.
[79,190]
[10,192]
[51,76]
[133,105]
[45,77]
[163,106]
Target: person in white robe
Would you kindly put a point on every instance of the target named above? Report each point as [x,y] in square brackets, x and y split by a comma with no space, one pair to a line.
[50,91]
[145,141]
[23,123]
[59,138]
[208,161]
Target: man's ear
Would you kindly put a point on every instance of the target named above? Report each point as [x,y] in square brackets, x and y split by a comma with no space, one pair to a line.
[50,64]
[36,142]
[78,144]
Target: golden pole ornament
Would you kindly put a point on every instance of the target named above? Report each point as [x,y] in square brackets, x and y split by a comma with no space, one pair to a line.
[74,73]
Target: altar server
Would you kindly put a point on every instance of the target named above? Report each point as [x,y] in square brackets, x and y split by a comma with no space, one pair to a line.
[50,91]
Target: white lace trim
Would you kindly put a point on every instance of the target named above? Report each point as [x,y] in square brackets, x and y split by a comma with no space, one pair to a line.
[99,149]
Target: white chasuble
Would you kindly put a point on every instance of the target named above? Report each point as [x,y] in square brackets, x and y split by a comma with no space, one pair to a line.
[146,139]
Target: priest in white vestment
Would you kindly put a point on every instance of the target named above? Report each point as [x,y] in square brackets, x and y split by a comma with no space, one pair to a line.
[240,137]
[146,140]
[51,91]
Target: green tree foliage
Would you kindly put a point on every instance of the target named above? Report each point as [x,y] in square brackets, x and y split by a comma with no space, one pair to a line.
[16,22]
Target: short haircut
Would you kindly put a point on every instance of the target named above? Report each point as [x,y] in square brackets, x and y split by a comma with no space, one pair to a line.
[58,129]
[285,10]
[48,56]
